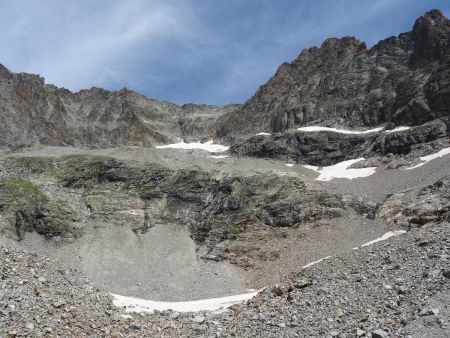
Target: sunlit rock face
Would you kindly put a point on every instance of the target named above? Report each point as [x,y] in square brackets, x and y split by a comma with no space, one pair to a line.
[401,81]
[34,112]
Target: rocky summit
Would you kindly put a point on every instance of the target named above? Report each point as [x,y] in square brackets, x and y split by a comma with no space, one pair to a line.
[318,208]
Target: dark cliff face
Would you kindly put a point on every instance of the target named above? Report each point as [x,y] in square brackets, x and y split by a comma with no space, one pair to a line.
[33,112]
[402,80]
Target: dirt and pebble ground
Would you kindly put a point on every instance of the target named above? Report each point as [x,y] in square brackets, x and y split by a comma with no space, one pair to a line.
[399,287]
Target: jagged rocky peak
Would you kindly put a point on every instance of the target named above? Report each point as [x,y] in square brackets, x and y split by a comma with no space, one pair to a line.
[430,35]
[400,81]
[332,49]
[4,72]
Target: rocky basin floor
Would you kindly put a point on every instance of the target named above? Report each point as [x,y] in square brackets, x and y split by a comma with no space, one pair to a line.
[398,287]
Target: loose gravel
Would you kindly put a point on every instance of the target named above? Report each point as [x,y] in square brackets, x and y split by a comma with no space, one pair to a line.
[399,287]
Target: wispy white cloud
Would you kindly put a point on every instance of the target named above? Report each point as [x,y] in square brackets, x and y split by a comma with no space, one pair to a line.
[83,44]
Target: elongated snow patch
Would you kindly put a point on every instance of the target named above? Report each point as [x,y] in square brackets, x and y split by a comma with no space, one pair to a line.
[426,159]
[264,134]
[387,235]
[341,170]
[354,132]
[218,156]
[397,129]
[315,262]
[208,146]
[341,131]
[132,304]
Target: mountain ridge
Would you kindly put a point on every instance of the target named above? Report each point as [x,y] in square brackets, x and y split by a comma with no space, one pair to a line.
[343,83]
[35,112]
[401,80]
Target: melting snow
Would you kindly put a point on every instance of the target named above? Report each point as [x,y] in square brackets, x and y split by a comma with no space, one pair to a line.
[397,129]
[208,146]
[265,134]
[290,165]
[342,131]
[426,159]
[311,167]
[387,235]
[218,156]
[340,170]
[315,262]
[213,304]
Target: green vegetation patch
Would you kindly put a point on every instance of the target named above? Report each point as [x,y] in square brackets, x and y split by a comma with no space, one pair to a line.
[33,161]
[84,170]
[235,229]
[17,192]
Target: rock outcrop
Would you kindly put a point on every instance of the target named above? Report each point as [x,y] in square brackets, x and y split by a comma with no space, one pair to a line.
[430,204]
[24,207]
[104,192]
[324,148]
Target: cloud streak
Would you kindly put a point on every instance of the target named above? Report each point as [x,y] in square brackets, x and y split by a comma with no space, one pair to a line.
[87,49]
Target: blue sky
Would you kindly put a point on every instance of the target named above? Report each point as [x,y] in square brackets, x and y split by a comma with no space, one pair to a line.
[202,51]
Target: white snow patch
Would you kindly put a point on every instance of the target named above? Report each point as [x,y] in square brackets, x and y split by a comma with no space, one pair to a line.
[218,156]
[290,165]
[426,159]
[340,170]
[397,129]
[254,290]
[315,262]
[264,134]
[345,131]
[341,131]
[311,167]
[132,304]
[387,235]
[208,146]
